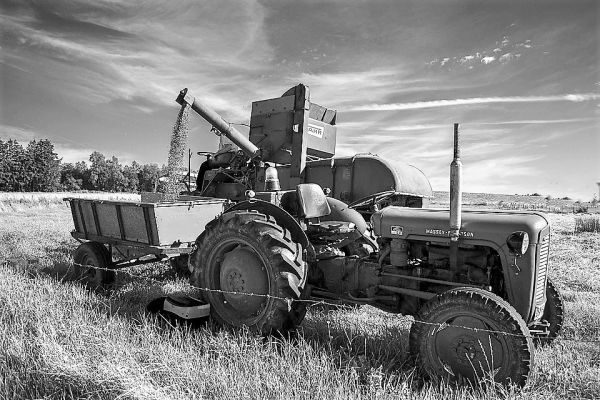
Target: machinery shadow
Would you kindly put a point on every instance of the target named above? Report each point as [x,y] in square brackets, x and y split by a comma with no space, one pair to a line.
[363,339]
[360,339]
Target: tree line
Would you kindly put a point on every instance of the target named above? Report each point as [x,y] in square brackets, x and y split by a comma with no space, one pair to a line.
[37,168]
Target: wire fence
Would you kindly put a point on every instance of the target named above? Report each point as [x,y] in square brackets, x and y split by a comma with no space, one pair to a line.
[289,301]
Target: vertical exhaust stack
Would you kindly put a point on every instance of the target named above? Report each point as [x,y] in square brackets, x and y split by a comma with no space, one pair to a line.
[455,202]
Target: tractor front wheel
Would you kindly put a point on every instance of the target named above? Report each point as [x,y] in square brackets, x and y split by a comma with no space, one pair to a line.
[251,272]
[469,334]
[553,314]
[92,264]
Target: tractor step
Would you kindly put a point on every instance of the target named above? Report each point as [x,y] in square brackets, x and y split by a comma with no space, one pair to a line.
[180,307]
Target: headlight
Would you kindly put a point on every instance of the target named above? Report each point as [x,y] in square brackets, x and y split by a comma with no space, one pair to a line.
[518,242]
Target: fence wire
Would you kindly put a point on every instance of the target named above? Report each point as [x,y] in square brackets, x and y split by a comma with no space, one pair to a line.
[310,303]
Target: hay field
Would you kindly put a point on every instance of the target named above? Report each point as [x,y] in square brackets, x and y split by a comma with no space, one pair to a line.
[58,340]
[27,201]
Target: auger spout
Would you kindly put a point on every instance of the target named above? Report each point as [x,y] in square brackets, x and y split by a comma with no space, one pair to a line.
[219,123]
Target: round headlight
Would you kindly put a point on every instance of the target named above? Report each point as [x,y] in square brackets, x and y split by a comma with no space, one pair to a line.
[518,242]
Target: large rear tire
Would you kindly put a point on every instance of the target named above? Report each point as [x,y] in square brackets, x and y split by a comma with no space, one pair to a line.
[250,271]
[451,340]
[92,263]
[553,314]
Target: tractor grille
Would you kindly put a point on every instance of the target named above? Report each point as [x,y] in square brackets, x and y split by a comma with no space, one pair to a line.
[542,268]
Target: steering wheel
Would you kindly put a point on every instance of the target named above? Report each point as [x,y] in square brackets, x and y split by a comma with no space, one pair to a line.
[207,154]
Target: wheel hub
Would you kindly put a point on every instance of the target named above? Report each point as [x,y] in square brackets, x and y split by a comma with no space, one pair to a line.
[467,350]
[244,280]
[468,353]
[235,281]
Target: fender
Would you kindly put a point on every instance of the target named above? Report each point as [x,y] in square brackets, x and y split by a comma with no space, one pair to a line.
[282,217]
[340,211]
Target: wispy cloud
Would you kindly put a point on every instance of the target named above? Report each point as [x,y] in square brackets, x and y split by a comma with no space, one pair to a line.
[342,90]
[502,51]
[535,121]
[140,63]
[66,149]
[476,100]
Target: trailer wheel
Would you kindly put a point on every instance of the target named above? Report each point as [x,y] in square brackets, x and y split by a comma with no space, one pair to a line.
[250,271]
[93,266]
[450,338]
[553,314]
[179,264]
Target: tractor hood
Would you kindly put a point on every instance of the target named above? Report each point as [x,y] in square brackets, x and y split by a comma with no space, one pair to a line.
[495,226]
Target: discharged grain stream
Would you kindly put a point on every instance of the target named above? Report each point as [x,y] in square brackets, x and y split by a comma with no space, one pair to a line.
[177,153]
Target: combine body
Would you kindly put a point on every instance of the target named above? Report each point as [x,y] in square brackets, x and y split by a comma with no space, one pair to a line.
[298,138]
[289,220]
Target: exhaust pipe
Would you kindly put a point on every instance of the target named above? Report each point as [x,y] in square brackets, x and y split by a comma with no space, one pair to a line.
[213,118]
[455,202]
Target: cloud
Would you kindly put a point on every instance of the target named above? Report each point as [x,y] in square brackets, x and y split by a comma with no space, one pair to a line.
[533,121]
[341,90]
[17,133]
[476,100]
[487,56]
[113,54]
[68,150]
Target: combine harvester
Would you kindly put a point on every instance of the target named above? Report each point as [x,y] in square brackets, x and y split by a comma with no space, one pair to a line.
[285,221]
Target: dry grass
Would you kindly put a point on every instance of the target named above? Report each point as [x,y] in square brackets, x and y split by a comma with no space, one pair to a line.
[58,340]
[516,202]
[587,223]
[26,201]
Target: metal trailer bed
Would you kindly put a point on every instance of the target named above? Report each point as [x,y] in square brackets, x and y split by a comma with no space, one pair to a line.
[132,231]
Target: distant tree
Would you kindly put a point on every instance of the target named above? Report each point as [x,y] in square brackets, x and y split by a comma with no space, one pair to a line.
[74,177]
[131,175]
[38,168]
[82,172]
[4,163]
[115,181]
[44,165]
[98,171]
[16,171]
[148,177]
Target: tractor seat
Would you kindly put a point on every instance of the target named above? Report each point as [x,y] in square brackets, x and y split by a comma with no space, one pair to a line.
[308,201]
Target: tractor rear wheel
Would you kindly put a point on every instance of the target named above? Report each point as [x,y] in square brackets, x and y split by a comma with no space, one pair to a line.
[553,314]
[250,271]
[468,334]
[92,263]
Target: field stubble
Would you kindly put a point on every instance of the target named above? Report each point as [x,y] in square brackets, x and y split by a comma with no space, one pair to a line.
[58,340]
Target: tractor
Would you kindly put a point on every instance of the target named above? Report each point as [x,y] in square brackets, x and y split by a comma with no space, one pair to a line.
[302,224]
[277,221]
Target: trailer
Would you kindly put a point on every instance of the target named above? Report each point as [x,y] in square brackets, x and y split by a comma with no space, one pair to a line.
[119,234]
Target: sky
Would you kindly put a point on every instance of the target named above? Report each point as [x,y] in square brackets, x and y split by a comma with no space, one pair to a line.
[521,77]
